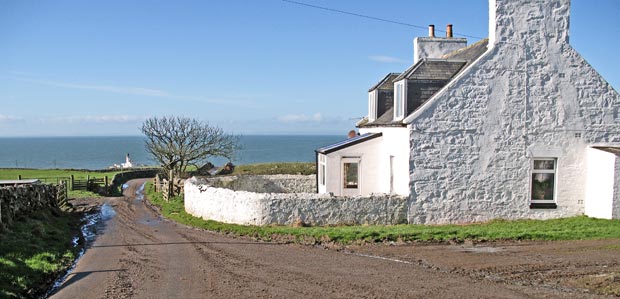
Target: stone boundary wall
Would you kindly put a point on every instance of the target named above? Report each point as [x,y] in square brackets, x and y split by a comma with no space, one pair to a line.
[253,208]
[25,199]
[121,178]
[277,183]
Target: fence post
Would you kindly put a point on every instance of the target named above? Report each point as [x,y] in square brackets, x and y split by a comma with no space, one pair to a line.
[19,177]
[72,181]
[106,187]
[170,184]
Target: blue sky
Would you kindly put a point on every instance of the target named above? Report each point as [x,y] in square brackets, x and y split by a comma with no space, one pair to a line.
[91,68]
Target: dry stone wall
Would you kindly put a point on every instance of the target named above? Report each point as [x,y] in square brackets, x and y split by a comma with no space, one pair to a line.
[253,208]
[20,200]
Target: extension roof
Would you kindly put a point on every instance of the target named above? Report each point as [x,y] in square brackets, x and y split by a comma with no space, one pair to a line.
[346,143]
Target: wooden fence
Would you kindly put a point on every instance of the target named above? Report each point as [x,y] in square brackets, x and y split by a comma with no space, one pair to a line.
[168,187]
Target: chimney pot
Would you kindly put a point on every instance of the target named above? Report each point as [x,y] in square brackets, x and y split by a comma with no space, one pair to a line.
[449,31]
[431,30]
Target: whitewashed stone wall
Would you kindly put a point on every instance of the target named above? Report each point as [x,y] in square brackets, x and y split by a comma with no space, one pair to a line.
[250,208]
[531,95]
[435,47]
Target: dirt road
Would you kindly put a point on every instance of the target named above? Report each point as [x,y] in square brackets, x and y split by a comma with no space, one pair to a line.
[139,255]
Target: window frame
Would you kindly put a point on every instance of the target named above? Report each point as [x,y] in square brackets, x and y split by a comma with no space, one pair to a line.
[322,170]
[372,105]
[342,183]
[399,99]
[543,203]
[345,182]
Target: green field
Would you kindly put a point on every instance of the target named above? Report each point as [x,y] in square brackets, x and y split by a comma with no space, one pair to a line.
[276,168]
[53,176]
[574,228]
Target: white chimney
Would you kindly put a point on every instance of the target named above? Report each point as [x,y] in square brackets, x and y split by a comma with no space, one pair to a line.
[435,47]
[516,22]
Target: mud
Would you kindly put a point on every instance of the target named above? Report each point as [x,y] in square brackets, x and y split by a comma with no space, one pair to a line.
[141,255]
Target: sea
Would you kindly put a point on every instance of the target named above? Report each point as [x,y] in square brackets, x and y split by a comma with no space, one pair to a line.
[102,152]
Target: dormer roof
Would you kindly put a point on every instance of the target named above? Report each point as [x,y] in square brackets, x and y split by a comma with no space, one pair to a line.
[386,82]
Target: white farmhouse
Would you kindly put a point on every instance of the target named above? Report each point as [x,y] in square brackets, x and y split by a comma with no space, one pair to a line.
[518,125]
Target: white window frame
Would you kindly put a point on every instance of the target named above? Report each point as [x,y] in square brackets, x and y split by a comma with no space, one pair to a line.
[350,191]
[553,171]
[322,170]
[372,105]
[400,99]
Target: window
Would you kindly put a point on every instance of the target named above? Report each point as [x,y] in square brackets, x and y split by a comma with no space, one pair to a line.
[543,183]
[322,170]
[372,105]
[399,96]
[350,175]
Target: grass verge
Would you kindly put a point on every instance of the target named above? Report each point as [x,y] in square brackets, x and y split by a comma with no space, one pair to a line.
[574,228]
[35,250]
[276,168]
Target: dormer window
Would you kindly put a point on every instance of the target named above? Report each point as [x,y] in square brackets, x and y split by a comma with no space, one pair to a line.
[372,105]
[399,99]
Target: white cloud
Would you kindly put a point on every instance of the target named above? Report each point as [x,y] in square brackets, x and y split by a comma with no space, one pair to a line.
[387,59]
[96,119]
[140,91]
[10,118]
[300,118]
[107,88]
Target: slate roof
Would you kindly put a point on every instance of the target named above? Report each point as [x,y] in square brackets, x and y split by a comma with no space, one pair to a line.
[427,77]
[386,82]
[439,69]
[346,143]
[469,53]
[610,149]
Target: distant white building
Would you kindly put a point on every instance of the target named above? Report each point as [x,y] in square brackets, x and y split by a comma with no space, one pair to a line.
[127,164]
[518,125]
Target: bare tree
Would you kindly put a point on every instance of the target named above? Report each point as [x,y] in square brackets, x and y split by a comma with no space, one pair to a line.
[177,142]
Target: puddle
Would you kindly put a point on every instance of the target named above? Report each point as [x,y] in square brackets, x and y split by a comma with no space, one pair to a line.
[140,192]
[148,220]
[481,249]
[94,223]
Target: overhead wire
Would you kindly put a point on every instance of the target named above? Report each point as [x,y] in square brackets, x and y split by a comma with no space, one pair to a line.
[370,17]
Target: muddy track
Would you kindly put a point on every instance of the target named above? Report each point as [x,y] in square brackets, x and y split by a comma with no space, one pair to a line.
[140,255]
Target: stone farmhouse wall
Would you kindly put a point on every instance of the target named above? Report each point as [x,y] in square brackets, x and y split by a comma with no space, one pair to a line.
[21,200]
[531,95]
[253,208]
[278,183]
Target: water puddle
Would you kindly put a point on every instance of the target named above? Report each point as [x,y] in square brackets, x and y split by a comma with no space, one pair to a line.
[148,220]
[140,192]
[94,224]
[481,249]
